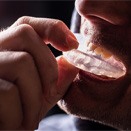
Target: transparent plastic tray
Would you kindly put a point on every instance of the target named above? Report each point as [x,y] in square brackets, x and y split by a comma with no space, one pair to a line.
[90,62]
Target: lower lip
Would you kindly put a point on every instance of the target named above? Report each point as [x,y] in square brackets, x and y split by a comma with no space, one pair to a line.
[95,78]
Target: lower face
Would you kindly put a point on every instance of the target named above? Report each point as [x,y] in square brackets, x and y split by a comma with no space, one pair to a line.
[97,98]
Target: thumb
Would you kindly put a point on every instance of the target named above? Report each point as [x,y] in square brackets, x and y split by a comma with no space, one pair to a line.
[67,73]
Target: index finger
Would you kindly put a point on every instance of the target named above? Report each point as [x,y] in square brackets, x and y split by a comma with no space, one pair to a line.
[51,31]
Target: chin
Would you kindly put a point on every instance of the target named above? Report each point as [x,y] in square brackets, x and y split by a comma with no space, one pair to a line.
[92,99]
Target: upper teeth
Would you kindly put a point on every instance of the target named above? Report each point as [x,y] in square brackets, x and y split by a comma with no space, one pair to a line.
[99,50]
[95,59]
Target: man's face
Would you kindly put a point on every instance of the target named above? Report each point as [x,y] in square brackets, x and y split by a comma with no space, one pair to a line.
[108,23]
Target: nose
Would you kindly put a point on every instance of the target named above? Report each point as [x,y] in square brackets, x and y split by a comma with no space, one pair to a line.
[115,12]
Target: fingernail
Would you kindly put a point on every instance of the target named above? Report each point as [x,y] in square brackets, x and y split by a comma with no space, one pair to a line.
[72,42]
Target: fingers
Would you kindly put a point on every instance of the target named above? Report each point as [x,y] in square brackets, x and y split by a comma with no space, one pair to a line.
[19,68]
[24,38]
[52,31]
[11,115]
[67,73]
[33,68]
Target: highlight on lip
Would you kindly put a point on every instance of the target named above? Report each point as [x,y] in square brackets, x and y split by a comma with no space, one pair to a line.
[95,59]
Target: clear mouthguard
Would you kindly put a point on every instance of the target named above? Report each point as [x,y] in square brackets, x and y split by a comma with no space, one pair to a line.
[86,60]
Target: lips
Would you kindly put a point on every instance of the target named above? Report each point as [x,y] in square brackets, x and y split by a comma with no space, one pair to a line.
[95,60]
[94,77]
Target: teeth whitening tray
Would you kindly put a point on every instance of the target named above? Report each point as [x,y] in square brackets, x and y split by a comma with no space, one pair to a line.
[85,60]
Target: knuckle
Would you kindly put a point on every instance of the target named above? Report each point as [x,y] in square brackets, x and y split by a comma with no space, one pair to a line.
[25,36]
[23,19]
[25,30]
[24,59]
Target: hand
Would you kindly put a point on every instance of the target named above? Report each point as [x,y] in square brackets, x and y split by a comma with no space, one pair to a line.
[31,80]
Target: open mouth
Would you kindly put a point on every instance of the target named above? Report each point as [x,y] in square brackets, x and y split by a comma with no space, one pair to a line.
[95,60]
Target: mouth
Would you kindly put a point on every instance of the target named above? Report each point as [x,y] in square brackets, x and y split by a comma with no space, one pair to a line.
[95,61]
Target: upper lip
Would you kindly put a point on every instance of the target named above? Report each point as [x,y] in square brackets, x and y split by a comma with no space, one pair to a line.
[98,19]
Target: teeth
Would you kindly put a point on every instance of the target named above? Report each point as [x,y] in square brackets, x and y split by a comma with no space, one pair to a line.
[92,58]
[91,47]
[99,51]
[106,54]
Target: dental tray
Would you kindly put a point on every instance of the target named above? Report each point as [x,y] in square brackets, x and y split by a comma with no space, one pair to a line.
[86,60]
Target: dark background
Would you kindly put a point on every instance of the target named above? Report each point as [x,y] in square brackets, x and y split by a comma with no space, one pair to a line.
[11,10]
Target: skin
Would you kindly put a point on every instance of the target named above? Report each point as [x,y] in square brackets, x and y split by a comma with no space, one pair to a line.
[108,24]
[29,88]
[31,78]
